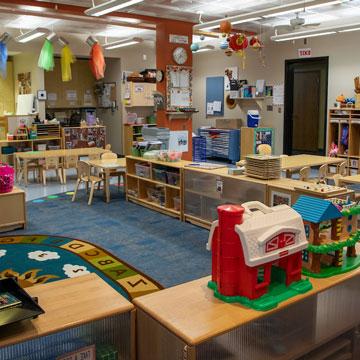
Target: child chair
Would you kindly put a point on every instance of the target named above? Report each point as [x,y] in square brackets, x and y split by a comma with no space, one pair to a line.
[113,173]
[305,173]
[70,162]
[52,163]
[84,175]
[340,172]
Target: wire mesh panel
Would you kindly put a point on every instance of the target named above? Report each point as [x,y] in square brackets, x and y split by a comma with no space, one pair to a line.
[112,333]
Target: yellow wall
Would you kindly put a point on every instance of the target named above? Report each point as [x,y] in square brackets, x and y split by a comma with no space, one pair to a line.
[7,98]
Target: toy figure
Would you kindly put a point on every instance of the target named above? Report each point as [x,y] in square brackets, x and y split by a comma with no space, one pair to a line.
[333,150]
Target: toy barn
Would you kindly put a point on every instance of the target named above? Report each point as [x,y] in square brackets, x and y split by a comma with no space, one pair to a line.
[330,227]
[253,245]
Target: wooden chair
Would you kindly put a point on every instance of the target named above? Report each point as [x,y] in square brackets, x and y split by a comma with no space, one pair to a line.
[52,163]
[305,173]
[113,173]
[340,170]
[321,178]
[70,162]
[32,167]
[84,175]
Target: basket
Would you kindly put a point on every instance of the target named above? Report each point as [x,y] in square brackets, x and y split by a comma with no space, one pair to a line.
[173,178]
[159,175]
[7,175]
[142,170]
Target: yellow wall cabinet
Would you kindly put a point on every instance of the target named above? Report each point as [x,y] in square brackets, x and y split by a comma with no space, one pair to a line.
[7,92]
[139,94]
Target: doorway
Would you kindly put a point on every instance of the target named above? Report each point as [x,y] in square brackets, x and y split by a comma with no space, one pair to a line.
[306,87]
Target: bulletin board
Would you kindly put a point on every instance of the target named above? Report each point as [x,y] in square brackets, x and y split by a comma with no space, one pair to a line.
[214,105]
[178,87]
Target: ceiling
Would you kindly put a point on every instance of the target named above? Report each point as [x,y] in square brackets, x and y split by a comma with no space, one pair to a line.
[188,10]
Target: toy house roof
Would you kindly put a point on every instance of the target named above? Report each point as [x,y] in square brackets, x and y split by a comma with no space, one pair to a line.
[259,228]
[316,210]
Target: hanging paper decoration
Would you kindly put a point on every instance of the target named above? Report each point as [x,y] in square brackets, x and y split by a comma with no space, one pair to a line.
[97,61]
[238,42]
[67,59]
[3,59]
[194,47]
[255,43]
[46,58]
[225,27]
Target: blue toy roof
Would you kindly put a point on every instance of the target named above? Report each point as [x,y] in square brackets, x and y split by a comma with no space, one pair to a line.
[316,210]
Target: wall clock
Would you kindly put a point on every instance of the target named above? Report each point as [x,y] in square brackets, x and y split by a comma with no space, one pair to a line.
[159,75]
[180,55]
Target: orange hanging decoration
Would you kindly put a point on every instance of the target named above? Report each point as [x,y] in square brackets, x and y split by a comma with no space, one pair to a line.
[97,61]
[225,27]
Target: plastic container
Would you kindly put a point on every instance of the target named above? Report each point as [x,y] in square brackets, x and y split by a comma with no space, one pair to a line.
[199,148]
[159,175]
[173,178]
[131,118]
[7,175]
[41,147]
[6,150]
[176,203]
[142,170]
[170,156]
[253,118]
[54,147]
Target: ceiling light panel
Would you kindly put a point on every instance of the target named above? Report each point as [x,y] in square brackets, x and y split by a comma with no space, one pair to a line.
[111,6]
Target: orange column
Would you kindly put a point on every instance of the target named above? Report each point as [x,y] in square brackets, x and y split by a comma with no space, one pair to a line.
[164,56]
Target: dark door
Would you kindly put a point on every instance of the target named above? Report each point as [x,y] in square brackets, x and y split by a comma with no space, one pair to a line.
[305,106]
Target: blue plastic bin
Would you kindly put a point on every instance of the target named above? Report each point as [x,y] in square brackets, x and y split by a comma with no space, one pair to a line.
[253,120]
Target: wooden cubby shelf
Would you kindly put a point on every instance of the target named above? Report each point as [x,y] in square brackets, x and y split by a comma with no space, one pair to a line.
[339,119]
[145,187]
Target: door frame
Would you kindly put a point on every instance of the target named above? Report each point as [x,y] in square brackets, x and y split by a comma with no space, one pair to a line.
[288,101]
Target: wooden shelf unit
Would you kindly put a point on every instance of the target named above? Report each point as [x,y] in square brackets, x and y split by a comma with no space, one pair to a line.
[49,134]
[131,133]
[137,187]
[339,118]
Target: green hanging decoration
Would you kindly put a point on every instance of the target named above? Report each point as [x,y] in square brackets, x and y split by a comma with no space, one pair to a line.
[46,58]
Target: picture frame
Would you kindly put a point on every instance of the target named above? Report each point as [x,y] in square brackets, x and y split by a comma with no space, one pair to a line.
[279,198]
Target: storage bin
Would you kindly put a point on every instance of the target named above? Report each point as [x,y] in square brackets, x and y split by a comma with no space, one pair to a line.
[41,147]
[6,150]
[54,147]
[159,175]
[142,170]
[173,178]
[7,174]
[156,195]
[253,118]
[176,203]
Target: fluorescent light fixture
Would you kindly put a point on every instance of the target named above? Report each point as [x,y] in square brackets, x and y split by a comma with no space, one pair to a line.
[348,30]
[297,6]
[122,43]
[245,20]
[31,35]
[287,37]
[110,6]
[205,48]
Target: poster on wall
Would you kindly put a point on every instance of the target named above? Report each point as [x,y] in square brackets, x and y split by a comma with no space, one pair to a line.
[179,141]
[231,73]
[24,83]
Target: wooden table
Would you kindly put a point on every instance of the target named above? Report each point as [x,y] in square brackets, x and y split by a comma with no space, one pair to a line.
[69,304]
[187,317]
[107,165]
[352,180]
[28,156]
[12,210]
[296,162]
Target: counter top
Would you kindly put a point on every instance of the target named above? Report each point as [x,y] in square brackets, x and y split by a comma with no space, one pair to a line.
[67,303]
[192,312]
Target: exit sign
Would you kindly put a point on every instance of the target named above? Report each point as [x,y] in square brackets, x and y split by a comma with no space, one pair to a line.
[303,53]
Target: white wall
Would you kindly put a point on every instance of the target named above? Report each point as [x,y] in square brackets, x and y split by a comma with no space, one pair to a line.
[344,65]
[118,60]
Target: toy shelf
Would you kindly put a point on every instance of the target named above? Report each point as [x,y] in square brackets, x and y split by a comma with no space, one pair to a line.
[155,184]
[131,133]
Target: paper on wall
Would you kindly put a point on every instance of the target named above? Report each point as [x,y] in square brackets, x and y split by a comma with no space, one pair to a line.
[179,141]
[52,97]
[210,108]
[71,95]
[217,106]
[278,94]
[179,98]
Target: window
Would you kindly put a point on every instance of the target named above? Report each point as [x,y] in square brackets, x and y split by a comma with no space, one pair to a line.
[261,275]
[305,255]
[281,241]
[307,231]
[350,217]
[349,228]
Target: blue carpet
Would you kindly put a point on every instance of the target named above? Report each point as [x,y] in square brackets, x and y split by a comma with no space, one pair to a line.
[168,250]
